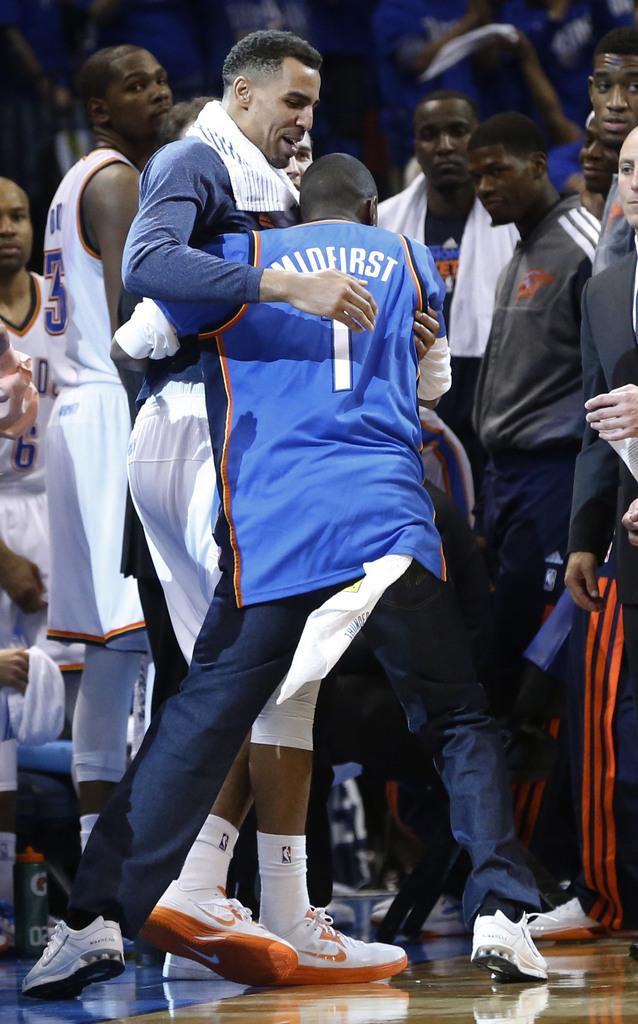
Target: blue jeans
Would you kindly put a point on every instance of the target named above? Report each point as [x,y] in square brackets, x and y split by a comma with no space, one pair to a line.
[144,833]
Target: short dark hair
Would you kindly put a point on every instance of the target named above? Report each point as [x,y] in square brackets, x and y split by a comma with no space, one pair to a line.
[263,53]
[517,133]
[619,40]
[449,94]
[335,182]
[97,73]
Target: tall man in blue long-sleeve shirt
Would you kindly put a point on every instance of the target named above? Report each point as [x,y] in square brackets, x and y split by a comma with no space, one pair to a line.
[188,194]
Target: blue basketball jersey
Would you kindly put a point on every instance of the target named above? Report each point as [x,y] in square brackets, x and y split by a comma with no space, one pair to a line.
[315,429]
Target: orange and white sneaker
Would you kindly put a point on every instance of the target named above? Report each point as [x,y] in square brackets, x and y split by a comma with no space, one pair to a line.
[327,957]
[220,934]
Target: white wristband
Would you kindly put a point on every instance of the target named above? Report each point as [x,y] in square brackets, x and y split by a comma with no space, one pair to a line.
[436,372]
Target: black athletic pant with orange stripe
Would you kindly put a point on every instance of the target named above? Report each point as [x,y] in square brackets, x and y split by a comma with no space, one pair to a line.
[604,748]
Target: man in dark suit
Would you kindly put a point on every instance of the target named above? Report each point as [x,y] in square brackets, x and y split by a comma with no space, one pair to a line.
[611,352]
[603,485]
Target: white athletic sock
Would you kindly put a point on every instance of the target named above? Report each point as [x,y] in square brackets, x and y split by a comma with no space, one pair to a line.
[7,860]
[284,889]
[206,866]
[87,821]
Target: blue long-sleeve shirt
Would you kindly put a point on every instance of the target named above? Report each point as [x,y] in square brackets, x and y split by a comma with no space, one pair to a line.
[185,199]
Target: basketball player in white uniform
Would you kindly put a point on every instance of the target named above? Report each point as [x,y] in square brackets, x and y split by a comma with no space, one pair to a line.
[127,96]
[24,528]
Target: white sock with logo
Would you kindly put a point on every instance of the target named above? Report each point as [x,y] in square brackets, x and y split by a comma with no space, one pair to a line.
[284,888]
[87,823]
[7,860]
[205,869]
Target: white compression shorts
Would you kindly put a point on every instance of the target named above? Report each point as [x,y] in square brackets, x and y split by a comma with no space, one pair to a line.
[172,481]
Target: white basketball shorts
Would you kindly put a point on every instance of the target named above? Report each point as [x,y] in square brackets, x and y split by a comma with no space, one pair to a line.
[24,528]
[172,481]
[87,440]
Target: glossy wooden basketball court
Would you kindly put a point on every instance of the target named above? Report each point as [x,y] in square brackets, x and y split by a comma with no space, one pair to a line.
[593,982]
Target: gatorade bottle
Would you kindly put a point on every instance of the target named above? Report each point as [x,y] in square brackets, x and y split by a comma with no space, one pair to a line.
[31,903]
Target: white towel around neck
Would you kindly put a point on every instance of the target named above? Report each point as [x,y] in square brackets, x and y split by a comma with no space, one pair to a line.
[484,252]
[257,185]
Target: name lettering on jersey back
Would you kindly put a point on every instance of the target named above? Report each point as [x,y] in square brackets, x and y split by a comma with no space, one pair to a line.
[356,261]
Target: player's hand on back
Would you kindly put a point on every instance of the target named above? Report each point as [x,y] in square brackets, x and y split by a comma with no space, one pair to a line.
[21,579]
[426,328]
[14,668]
[326,293]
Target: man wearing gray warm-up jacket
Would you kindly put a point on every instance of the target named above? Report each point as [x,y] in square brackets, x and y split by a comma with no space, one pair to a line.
[528,410]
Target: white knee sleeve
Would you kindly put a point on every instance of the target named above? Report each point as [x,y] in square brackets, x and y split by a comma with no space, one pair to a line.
[288,724]
[102,709]
[8,766]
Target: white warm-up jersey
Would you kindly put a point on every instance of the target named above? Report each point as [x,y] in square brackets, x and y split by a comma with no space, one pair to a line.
[22,460]
[78,317]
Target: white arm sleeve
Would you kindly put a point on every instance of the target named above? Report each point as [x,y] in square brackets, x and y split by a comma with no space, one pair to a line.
[148,334]
[436,372]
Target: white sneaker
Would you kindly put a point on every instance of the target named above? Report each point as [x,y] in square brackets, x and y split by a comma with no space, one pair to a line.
[220,934]
[73,959]
[445,918]
[327,957]
[569,921]
[506,949]
[178,968]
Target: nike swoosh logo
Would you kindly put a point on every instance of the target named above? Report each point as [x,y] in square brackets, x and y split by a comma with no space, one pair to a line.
[203,956]
[335,958]
[225,922]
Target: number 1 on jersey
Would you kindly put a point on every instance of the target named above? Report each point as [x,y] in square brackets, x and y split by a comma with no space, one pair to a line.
[341,357]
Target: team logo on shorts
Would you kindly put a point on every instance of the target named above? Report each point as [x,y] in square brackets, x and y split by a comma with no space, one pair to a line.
[223,843]
[286,855]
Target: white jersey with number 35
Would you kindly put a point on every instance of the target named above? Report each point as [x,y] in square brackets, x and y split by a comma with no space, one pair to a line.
[22,460]
[77,316]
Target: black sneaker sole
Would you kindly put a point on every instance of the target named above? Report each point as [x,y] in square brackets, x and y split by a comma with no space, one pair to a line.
[68,988]
[503,969]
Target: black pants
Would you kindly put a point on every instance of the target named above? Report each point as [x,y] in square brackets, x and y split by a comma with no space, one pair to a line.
[630,621]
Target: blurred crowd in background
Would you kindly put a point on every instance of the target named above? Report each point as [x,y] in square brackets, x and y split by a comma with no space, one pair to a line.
[378,63]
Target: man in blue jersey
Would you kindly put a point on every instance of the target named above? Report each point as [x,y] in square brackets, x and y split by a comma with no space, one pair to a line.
[316,439]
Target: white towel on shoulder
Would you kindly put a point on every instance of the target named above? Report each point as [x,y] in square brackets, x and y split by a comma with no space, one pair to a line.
[257,185]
